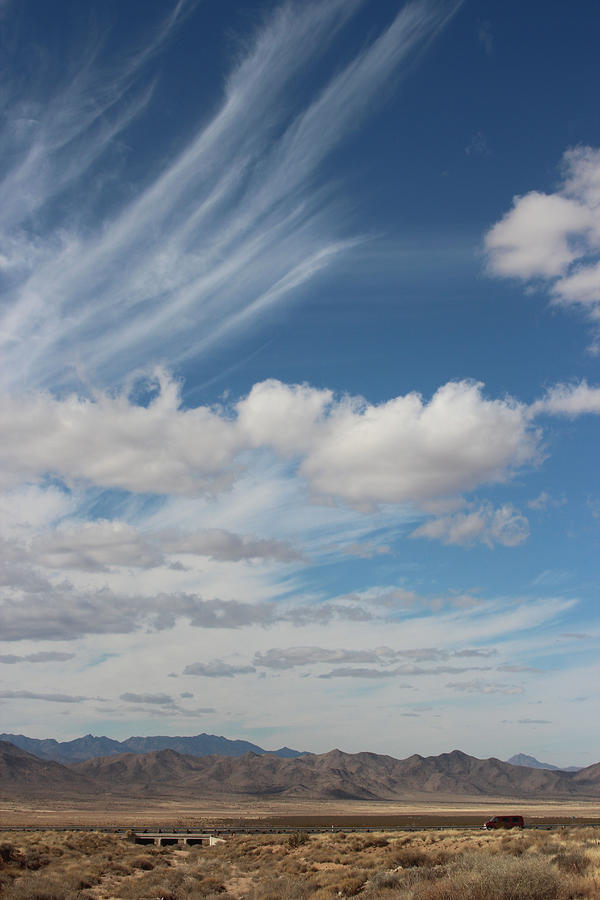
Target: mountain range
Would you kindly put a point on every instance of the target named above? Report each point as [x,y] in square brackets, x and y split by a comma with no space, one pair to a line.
[90,747]
[166,774]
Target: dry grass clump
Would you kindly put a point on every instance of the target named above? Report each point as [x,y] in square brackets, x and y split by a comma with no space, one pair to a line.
[480,876]
[297,838]
[449,865]
[574,862]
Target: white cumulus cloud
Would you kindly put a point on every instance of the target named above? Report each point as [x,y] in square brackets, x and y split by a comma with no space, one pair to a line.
[555,238]
[405,450]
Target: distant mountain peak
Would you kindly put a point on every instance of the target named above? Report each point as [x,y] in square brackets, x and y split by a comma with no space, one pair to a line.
[523,759]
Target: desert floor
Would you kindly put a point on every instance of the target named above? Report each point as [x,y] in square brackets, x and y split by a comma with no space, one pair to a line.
[470,864]
[108,811]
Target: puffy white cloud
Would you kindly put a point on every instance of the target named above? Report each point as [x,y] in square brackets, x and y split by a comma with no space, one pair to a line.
[406,450]
[581,286]
[556,237]
[282,416]
[112,442]
[410,450]
[568,400]
[505,525]
[533,238]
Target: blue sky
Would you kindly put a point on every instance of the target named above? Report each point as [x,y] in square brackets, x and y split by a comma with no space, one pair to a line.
[299,387]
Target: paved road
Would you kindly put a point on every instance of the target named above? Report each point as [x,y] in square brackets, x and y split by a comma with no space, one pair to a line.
[223,831]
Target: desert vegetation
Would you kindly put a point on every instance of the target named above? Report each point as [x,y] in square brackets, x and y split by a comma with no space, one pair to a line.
[428,865]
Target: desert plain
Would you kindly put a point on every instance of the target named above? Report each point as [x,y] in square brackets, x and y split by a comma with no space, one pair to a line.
[258,812]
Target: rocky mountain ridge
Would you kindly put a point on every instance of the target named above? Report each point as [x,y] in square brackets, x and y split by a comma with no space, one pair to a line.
[328,776]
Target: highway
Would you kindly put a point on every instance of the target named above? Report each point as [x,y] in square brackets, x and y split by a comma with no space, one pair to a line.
[230,830]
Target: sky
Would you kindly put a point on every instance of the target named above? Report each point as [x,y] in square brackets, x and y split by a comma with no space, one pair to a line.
[299,380]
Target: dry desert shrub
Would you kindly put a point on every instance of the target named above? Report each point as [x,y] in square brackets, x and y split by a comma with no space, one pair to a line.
[350,884]
[142,862]
[375,841]
[7,852]
[46,886]
[175,884]
[382,883]
[282,887]
[414,857]
[573,862]
[514,846]
[481,876]
[461,865]
[297,839]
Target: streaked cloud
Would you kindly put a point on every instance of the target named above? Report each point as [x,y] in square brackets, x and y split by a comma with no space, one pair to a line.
[505,525]
[150,699]
[216,668]
[485,687]
[290,657]
[42,656]
[49,697]
[239,220]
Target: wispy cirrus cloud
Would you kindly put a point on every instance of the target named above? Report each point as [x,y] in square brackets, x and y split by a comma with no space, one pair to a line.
[150,699]
[504,525]
[290,657]
[53,136]
[217,668]
[186,259]
[485,687]
[42,656]
[49,697]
